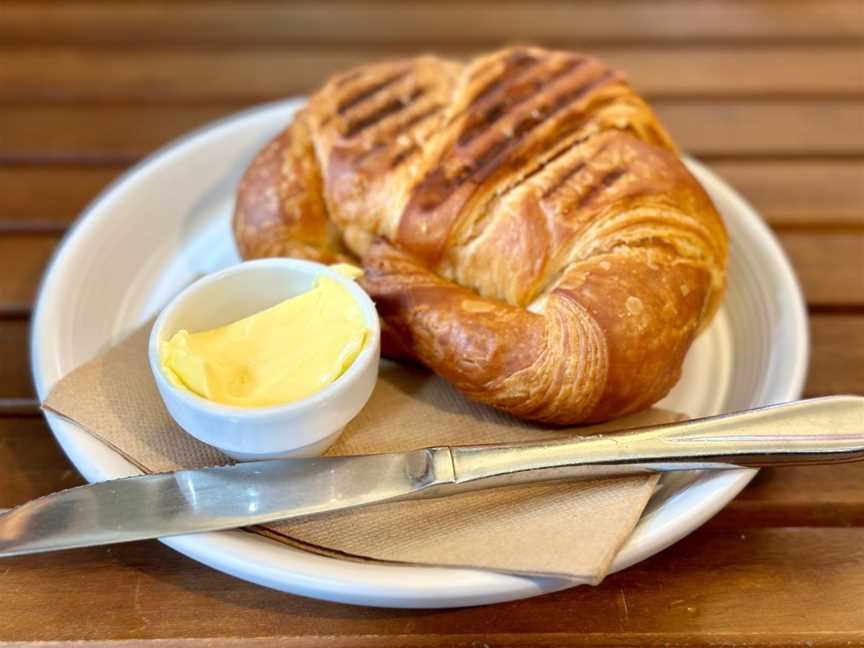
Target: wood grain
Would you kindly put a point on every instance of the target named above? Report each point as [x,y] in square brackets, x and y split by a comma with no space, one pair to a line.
[802,192]
[837,359]
[22,261]
[419,24]
[788,193]
[813,496]
[753,128]
[38,133]
[15,381]
[762,581]
[830,266]
[236,74]
[121,133]
[48,198]
[33,465]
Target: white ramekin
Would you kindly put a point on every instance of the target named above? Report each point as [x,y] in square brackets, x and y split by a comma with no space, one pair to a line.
[300,429]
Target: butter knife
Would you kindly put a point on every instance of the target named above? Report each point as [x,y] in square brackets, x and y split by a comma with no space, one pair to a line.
[816,431]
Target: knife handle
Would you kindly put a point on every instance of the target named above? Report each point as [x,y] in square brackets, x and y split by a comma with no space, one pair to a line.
[814,431]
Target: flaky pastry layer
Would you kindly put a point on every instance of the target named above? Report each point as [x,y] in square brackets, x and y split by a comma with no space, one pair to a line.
[527,228]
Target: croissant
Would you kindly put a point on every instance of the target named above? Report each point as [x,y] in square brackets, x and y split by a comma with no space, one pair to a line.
[526,226]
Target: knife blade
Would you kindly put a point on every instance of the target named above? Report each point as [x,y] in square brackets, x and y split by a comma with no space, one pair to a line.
[822,430]
[208,499]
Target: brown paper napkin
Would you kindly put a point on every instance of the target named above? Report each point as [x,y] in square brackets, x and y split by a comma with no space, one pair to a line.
[568,530]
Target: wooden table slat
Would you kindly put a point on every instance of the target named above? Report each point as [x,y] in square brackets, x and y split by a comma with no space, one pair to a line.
[121,133]
[830,266]
[837,356]
[22,261]
[33,464]
[813,496]
[798,192]
[749,128]
[15,380]
[183,74]
[818,193]
[49,198]
[420,23]
[752,583]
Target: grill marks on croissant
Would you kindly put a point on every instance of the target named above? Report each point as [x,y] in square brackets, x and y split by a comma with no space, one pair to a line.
[590,198]
[503,227]
[609,179]
[563,179]
[403,155]
[522,223]
[525,177]
[515,91]
[387,136]
[368,151]
[494,156]
[360,95]
[519,119]
[514,64]
[415,120]
[627,197]
[391,107]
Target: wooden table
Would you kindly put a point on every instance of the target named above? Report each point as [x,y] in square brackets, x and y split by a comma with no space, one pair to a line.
[770,94]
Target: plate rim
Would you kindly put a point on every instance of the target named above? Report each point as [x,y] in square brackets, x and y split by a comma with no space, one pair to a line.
[224,550]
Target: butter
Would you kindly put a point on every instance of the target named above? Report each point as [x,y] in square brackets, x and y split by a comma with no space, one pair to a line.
[280,355]
[347,270]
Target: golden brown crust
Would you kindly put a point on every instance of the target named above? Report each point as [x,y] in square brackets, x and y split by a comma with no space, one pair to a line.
[527,228]
[531,365]
[280,210]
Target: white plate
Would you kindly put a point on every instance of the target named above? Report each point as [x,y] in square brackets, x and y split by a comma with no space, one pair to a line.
[167,220]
